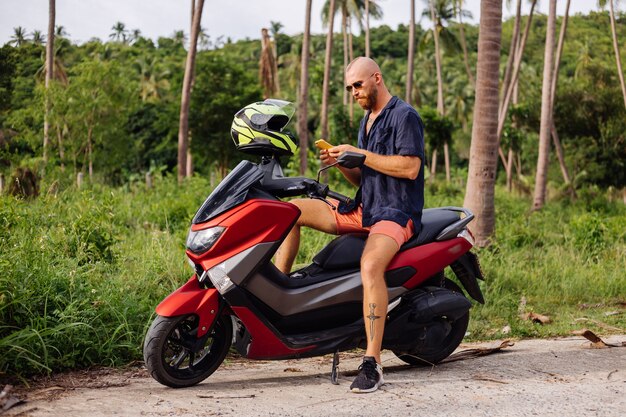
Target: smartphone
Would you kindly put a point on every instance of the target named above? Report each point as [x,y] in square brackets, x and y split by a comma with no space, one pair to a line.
[322,144]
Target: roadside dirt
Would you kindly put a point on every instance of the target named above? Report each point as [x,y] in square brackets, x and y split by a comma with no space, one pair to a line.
[559,377]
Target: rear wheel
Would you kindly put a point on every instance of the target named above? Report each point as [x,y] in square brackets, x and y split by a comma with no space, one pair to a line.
[176,357]
[455,331]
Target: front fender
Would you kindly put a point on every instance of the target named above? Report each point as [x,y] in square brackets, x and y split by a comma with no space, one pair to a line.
[192,299]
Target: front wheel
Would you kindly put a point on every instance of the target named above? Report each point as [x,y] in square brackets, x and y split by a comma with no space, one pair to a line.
[176,357]
[454,333]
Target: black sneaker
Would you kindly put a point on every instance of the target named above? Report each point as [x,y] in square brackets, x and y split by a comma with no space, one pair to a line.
[370,376]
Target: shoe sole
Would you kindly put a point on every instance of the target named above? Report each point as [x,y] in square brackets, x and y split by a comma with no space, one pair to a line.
[367,391]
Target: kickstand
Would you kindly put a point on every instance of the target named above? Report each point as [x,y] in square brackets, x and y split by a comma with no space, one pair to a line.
[333,372]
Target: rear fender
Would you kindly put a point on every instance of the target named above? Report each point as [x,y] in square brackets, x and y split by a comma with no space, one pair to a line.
[467,270]
[192,299]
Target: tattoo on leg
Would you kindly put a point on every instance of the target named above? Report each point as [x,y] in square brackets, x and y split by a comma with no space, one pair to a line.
[372,317]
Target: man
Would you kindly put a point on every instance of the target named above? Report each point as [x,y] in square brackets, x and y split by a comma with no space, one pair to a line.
[388,205]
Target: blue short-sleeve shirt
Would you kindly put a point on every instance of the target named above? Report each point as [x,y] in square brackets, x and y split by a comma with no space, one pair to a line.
[398,130]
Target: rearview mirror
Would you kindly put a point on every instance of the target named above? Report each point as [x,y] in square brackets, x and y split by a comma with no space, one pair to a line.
[351,160]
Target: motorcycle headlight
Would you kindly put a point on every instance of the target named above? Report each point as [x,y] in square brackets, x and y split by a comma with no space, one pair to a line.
[202,240]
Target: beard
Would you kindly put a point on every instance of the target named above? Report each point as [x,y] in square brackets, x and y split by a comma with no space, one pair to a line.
[369,101]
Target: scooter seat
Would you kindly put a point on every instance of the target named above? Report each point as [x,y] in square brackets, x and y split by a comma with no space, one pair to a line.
[345,251]
[433,222]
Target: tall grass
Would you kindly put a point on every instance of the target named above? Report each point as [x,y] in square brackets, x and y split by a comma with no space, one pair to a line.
[81,271]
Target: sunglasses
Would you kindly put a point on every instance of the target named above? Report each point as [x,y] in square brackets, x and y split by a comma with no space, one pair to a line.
[357,85]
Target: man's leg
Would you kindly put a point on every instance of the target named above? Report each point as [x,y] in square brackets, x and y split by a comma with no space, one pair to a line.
[314,214]
[379,251]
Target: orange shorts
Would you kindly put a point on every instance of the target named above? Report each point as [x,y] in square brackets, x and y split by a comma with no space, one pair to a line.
[352,223]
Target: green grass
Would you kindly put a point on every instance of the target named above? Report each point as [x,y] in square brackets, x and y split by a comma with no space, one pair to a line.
[82,271]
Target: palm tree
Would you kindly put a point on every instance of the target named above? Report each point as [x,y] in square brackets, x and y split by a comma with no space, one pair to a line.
[555,76]
[49,76]
[303,99]
[152,81]
[479,194]
[179,37]
[440,103]
[134,36]
[183,127]
[275,28]
[541,176]
[367,29]
[119,33]
[60,32]
[327,63]
[267,66]
[411,56]
[512,73]
[350,9]
[460,13]
[618,61]
[19,37]
[38,38]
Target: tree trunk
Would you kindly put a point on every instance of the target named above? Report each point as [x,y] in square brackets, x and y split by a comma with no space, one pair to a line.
[89,151]
[411,57]
[326,83]
[618,60]
[479,194]
[440,104]
[61,149]
[344,32]
[470,75]
[446,160]
[303,129]
[49,76]
[512,49]
[512,86]
[509,171]
[504,107]
[185,101]
[433,166]
[267,74]
[189,167]
[367,27]
[350,59]
[543,158]
[555,77]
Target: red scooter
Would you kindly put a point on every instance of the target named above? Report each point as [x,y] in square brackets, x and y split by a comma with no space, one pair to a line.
[238,298]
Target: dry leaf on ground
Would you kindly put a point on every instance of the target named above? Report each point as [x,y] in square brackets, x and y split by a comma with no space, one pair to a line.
[536,318]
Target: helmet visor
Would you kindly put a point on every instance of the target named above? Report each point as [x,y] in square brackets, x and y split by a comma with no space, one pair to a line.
[287,107]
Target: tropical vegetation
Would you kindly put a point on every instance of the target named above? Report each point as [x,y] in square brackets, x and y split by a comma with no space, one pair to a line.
[102,166]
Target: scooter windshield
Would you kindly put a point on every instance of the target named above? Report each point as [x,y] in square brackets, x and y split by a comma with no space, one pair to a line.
[230,192]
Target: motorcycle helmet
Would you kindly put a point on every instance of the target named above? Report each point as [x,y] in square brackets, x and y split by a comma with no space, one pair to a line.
[258,128]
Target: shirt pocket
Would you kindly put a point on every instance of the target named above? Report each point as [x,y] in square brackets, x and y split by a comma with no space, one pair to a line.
[384,144]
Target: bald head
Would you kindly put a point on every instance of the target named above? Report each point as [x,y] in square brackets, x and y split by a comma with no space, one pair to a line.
[363,64]
[365,82]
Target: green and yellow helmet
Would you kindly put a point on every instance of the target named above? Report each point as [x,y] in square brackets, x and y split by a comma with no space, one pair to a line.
[258,128]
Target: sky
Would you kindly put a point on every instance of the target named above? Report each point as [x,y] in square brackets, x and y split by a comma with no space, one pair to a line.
[85,19]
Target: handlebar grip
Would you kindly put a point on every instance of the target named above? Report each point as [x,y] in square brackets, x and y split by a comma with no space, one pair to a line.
[342,198]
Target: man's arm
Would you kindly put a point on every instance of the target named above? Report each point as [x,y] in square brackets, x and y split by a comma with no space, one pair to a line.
[398,166]
[353,175]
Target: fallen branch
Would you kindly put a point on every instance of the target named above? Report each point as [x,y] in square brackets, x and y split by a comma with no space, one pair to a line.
[596,342]
[474,353]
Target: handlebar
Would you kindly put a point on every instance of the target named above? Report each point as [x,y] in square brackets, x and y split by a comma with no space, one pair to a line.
[342,198]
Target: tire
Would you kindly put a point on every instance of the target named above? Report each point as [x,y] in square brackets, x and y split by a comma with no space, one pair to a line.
[428,357]
[169,349]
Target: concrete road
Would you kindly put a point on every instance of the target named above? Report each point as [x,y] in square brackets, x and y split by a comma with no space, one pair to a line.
[560,377]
